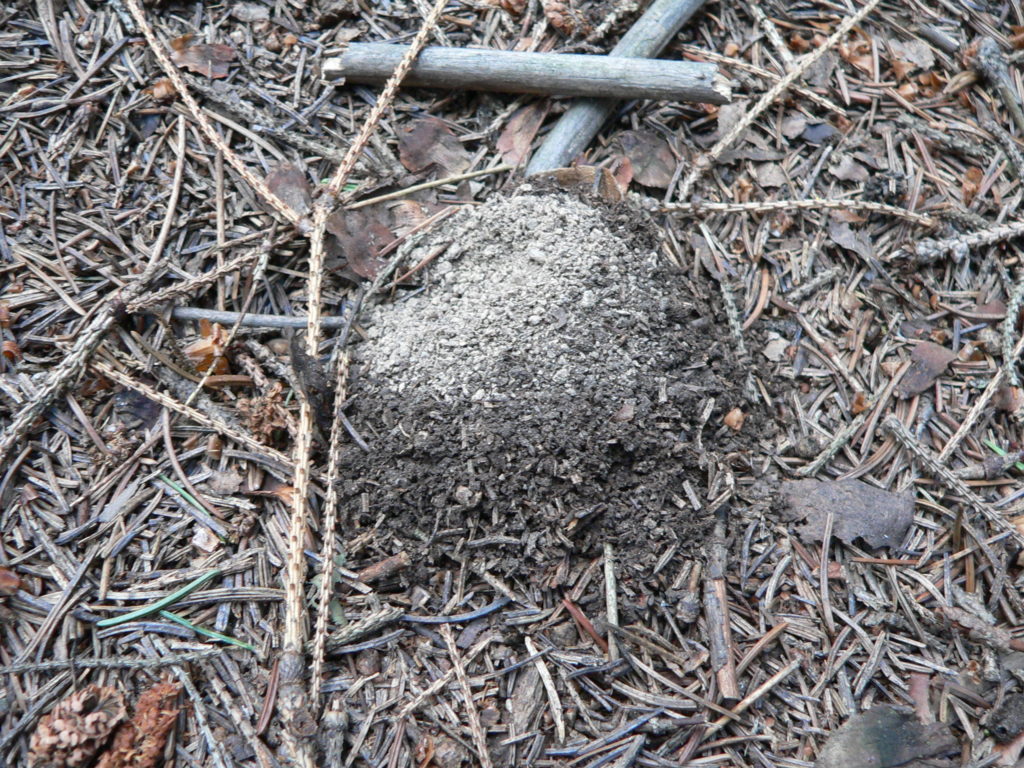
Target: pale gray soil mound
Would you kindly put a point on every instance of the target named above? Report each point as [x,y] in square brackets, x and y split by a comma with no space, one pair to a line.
[553,385]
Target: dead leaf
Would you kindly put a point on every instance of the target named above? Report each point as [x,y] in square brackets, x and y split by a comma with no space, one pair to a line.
[889,737]
[654,165]
[623,173]
[140,742]
[224,482]
[858,54]
[849,170]
[360,235]
[209,348]
[586,178]
[289,183]
[162,90]
[1009,399]
[728,116]
[514,142]
[211,60]
[859,511]
[429,142]
[916,52]
[793,125]
[845,237]
[10,583]
[771,175]
[819,133]
[971,184]
[927,362]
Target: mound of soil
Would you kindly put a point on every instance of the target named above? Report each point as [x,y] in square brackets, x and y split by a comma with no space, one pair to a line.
[552,385]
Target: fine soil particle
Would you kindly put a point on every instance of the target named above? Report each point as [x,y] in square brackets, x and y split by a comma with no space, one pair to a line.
[552,386]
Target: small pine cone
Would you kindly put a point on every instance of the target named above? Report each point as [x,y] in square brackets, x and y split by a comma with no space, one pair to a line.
[75,729]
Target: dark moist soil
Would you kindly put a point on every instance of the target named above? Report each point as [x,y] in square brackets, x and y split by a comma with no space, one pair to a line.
[504,454]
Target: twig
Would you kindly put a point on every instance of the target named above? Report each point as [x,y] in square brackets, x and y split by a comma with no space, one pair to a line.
[981,404]
[467,694]
[611,601]
[927,250]
[753,69]
[253,320]
[768,206]
[292,697]
[716,613]
[549,686]
[405,192]
[115,662]
[578,126]
[991,62]
[210,422]
[327,535]
[703,163]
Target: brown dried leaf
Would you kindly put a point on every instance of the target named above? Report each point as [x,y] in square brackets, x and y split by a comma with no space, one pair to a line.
[927,362]
[889,737]
[76,728]
[771,175]
[849,169]
[586,178]
[162,90]
[651,156]
[429,142]
[10,582]
[917,52]
[844,236]
[211,343]
[514,142]
[859,511]
[360,235]
[971,184]
[211,60]
[289,183]
[140,742]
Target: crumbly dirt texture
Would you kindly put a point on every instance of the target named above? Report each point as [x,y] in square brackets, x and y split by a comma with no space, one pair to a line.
[552,386]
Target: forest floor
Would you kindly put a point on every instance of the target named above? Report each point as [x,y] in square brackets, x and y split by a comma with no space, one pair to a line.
[711,457]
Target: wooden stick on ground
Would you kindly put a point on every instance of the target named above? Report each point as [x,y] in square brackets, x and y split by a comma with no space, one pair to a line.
[561,74]
[716,613]
[580,124]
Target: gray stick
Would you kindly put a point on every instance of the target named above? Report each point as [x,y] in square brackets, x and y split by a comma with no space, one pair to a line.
[562,74]
[577,127]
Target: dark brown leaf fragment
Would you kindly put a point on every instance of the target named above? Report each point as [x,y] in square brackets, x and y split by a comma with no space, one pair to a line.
[362,234]
[887,737]
[654,165]
[429,142]
[859,511]
[289,183]
[514,142]
[210,60]
[927,362]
